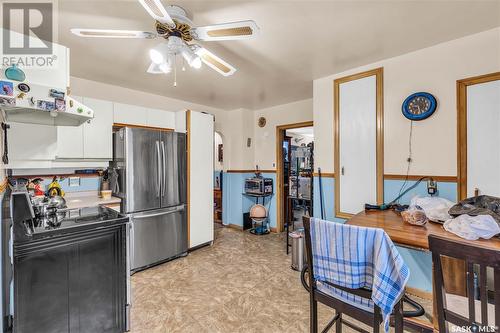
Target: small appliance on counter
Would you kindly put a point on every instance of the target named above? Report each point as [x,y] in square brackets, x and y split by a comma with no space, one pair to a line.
[259,186]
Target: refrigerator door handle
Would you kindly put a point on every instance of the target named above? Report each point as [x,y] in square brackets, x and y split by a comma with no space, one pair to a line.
[138,217]
[158,169]
[164,169]
[131,250]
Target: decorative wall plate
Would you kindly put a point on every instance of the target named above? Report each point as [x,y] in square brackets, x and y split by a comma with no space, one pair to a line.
[262,122]
[419,106]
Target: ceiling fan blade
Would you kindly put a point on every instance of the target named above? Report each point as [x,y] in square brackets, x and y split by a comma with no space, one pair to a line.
[156,9]
[105,33]
[226,31]
[214,62]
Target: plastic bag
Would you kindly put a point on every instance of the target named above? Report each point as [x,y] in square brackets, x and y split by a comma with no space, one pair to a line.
[435,208]
[473,227]
[414,215]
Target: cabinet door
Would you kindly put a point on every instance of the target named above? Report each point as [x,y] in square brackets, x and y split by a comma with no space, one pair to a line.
[483,137]
[358,170]
[31,142]
[98,134]
[161,118]
[70,139]
[130,114]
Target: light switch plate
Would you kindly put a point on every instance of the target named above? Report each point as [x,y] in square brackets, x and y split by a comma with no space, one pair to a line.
[74,181]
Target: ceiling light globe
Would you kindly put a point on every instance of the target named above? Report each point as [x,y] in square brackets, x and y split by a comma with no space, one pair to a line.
[165,67]
[196,63]
[156,56]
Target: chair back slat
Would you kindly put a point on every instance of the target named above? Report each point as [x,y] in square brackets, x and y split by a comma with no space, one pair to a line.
[474,257]
[483,287]
[470,291]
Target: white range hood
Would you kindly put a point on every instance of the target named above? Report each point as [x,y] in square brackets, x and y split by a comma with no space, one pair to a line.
[46,85]
[27,110]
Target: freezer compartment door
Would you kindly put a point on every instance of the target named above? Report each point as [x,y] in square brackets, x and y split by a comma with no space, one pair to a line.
[143,169]
[157,236]
[173,148]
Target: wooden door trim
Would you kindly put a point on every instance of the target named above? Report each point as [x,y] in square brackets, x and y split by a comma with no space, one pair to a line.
[117,126]
[379,75]
[462,127]
[280,135]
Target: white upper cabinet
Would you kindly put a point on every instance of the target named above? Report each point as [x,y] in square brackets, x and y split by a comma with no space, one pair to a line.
[98,133]
[70,139]
[31,142]
[130,114]
[161,118]
[92,140]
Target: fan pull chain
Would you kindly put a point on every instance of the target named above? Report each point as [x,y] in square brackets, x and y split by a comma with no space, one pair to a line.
[183,64]
[175,70]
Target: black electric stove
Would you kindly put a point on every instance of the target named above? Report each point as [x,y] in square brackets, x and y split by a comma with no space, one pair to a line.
[63,220]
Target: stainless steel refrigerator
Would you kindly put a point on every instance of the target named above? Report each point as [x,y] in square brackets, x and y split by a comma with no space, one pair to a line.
[151,180]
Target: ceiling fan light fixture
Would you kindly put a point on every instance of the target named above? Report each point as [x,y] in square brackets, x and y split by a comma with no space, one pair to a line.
[154,69]
[191,58]
[166,67]
[196,63]
[156,56]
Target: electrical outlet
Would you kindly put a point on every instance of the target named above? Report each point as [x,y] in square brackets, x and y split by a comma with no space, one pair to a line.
[431,187]
[74,181]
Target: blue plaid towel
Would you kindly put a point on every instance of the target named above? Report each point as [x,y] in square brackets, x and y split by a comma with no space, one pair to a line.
[357,257]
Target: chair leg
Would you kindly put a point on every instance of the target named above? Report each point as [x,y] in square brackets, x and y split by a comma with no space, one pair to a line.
[313,316]
[338,324]
[398,317]
[376,319]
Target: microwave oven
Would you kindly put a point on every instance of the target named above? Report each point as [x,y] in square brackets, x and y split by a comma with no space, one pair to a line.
[259,186]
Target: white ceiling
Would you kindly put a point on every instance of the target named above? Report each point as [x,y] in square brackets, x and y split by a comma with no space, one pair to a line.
[299,41]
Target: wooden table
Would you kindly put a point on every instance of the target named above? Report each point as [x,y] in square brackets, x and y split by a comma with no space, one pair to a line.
[416,237]
[412,236]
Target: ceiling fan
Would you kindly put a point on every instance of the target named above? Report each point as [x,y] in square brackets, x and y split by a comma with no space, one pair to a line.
[178,32]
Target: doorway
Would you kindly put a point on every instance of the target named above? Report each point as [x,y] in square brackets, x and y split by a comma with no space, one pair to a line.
[294,170]
[218,177]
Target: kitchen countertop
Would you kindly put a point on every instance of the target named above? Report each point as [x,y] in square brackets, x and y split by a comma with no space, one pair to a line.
[88,199]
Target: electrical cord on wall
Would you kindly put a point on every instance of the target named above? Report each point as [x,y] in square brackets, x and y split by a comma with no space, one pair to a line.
[409,160]
[403,190]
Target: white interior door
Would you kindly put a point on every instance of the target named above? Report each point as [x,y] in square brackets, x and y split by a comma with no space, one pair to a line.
[357,176]
[201,171]
[483,138]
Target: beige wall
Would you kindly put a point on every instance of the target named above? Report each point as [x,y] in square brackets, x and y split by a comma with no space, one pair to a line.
[94,89]
[436,70]
[265,138]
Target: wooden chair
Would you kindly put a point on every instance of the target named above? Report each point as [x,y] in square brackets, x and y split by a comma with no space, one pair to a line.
[472,256]
[373,319]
